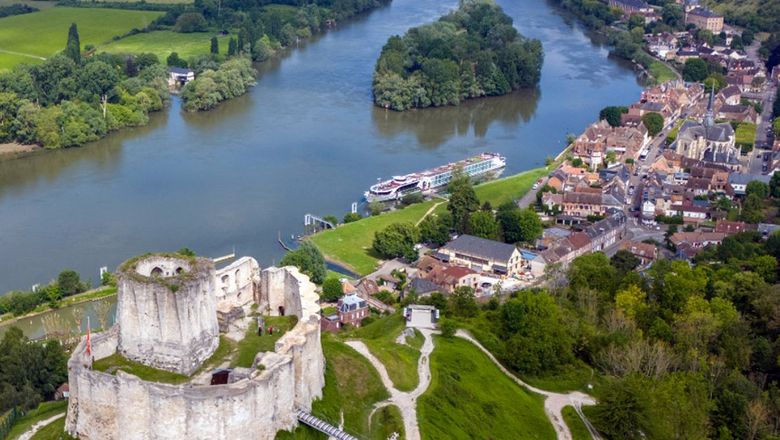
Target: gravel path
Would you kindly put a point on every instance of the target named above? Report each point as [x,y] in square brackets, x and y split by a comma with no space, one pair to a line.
[406,402]
[553,402]
[38,426]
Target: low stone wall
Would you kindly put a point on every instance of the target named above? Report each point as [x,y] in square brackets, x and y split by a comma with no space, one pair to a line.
[122,406]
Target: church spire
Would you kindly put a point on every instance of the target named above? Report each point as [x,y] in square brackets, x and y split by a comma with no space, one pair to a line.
[709,118]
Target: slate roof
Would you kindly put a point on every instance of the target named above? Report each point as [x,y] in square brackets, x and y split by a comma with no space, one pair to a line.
[717,132]
[423,286]
[704,12]
[180,70]
[744,179]
[481,247]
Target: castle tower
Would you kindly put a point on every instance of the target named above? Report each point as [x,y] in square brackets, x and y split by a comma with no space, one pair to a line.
[166,308]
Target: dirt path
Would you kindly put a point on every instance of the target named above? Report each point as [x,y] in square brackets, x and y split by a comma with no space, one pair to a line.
[406,402]
[553,402]
[429,211]
[10,52]
[38,426]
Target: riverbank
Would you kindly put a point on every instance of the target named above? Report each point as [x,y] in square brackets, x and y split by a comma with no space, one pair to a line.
[14,150]
[90,295]
[350,245]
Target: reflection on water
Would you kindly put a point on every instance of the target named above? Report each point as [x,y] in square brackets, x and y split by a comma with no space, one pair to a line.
[434,126]
[66,321]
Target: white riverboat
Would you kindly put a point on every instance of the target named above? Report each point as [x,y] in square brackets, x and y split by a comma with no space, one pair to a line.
[480,166]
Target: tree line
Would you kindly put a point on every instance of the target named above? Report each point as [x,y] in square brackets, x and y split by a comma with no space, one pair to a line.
[18,302]
[16,9]
[472,52]
[68,100]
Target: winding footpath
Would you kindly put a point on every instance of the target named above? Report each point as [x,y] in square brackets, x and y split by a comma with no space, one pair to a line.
[38,426]
[553,402]
[406,402]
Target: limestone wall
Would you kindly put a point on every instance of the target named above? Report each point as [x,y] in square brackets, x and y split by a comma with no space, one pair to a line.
[168,320]
[123,407]
[236,283]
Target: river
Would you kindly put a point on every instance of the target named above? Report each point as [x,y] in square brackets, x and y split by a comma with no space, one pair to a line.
[305,139]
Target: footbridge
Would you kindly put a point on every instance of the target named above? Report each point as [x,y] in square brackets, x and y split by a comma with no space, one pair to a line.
[317,223]
[323,426]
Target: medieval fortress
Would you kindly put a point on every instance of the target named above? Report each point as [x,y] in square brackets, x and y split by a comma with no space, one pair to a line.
[171,310]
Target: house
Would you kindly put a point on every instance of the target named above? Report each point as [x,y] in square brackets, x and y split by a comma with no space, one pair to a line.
[483,255]
[447,278]
[645,252]
[422,287]
[731,227]
[686,54]
[63,392]
[731,95]
[178,76]
[738,113]
[663,45]
[599,138]
[631,7]
[421,316]
[605,233]
[693,242]
[739,181]
[704,18]
[533,263]
[352,309]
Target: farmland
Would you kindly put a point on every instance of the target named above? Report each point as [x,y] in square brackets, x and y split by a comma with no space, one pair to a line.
[162,43]
[50,30]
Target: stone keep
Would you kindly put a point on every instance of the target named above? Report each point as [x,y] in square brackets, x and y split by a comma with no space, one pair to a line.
[167,310]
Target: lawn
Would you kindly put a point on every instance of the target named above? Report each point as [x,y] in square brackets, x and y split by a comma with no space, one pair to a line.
[385,422]
[660,72]
[470,397]
[226,348]
[253,344]
[746,136]
[352,387]
[117,362]
[350,244]
[162,43]
[578,429]
[44,411]
[53,431]
[45,33]
[399,360]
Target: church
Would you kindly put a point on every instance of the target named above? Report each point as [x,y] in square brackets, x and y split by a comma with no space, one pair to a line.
[709,141]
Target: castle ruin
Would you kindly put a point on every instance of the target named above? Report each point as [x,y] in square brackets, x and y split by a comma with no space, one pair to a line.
[170,310]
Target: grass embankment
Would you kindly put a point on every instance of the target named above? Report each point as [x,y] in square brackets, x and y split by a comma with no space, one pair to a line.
[117,362]
[253,344]
[470,397]
[385,422]
[350,244]
[43,412]
[44,33]
[352,387]
[578,429]
[399,360]
[162,43]
[53,431]
[661,73]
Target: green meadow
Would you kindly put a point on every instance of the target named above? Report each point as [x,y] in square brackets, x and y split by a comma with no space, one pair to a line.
[162,43]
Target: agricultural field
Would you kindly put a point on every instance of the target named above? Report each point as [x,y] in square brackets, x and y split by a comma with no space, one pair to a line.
[30,37]
[162,43]
[469,397]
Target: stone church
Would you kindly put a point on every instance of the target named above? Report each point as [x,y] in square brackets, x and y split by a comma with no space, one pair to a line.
[709,141]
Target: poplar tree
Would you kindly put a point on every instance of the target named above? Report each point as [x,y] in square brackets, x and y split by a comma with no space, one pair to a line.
[73,48]
[214,46]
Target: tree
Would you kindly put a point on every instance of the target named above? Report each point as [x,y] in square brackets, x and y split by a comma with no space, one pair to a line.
[463,201]
[69,283]
[73,46]
[774,184]
[758,188]
[592,271]
[173,60]
[483,224]
[131,69]
[462,302]
[309,260]
[397,240]
[695,70]
[331,290]
[636,21]
[190,22]
[624,261]
[622,412]
[448,327]
[672,15]
[654,122]
[214,46]
[351,217]
[434,230]
[612,114]
[232,47]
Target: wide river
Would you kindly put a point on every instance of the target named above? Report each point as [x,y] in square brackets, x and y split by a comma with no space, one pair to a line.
[306,139]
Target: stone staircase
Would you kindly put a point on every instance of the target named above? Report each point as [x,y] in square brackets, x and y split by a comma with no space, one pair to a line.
[323,426]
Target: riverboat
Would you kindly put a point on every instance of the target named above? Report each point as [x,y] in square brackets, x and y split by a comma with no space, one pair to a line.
[480,166]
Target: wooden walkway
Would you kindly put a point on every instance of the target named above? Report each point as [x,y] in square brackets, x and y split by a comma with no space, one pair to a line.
[323,426]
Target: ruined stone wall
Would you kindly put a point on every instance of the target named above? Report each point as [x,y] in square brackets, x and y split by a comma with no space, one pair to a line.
[236,283]
[123,407]
[168,320]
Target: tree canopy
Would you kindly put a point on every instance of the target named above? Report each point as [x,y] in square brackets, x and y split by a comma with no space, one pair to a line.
[309,260]
[472,52]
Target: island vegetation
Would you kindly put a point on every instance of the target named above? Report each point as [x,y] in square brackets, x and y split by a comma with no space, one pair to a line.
[470,53]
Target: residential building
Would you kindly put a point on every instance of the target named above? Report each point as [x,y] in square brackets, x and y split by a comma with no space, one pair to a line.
[645,252]
[731,227]
[688,244]
[740,181]
[483,255]
[704,18]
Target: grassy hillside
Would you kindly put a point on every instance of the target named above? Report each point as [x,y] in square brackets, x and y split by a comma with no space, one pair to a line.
[44,33]
[763,14]
[162,43]
[470,397]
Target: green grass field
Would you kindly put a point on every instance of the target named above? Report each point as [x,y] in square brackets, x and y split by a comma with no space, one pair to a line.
[253,344]
[385,422]
[661,72]
[44,411]
[162,43]
[44,33]
[350,244]
[746,134]
[399,360]
[575,424]
[470,397]
[53,431]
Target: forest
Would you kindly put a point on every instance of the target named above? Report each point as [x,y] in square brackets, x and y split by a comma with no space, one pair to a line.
[470,53]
